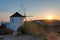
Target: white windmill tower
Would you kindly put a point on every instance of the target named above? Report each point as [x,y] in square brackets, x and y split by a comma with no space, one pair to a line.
[17,20]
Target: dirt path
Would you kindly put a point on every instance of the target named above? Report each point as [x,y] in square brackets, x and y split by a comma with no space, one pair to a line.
[21,37]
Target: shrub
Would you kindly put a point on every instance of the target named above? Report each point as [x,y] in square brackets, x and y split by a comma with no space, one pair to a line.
[21,30]
[31,29]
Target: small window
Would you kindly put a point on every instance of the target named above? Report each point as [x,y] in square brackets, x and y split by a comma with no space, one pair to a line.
[12,20]
[20,19]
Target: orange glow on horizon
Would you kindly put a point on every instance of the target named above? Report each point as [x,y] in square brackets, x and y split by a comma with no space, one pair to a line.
[49,18]
[43,18]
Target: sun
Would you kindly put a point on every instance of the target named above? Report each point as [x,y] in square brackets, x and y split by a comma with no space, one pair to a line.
[49,17]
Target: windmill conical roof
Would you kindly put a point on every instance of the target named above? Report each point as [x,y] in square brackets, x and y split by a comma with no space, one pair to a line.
[16,14]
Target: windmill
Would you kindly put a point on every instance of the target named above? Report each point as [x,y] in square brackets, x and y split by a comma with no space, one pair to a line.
[23,10]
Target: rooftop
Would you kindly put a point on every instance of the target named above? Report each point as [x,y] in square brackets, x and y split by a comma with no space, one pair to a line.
[16,14]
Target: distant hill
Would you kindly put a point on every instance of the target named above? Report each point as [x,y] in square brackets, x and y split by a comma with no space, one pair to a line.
[48,22]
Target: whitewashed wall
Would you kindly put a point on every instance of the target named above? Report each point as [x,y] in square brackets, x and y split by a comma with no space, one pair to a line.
[16,22]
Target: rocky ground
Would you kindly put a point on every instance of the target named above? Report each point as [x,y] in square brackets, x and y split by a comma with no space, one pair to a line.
[21,37]
[50,36]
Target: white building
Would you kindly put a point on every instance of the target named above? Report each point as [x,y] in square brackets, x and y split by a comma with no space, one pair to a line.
[16,20]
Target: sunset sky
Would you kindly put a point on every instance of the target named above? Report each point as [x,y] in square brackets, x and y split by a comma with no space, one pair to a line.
[39,9]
